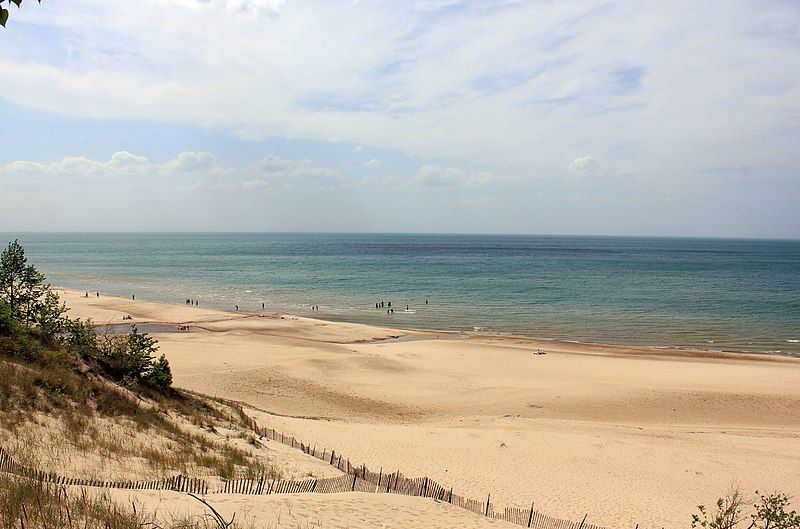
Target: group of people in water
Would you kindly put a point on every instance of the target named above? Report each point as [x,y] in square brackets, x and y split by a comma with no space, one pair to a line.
[388,306]
[315,308]
[97,294]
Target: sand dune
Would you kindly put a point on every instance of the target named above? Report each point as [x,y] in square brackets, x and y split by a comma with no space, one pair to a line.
[355,510]
[627,435]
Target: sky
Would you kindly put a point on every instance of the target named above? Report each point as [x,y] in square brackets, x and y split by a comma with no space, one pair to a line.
[446,116]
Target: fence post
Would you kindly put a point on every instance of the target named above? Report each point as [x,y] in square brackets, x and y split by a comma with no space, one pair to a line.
[354,482]
[424,487]
[583,521]
[489,497]
[450,499]
[530,518]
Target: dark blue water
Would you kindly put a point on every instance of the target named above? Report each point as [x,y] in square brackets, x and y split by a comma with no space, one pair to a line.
[718,294]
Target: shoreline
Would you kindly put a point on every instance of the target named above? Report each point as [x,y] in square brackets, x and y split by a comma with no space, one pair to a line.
[583,428]
[653,350]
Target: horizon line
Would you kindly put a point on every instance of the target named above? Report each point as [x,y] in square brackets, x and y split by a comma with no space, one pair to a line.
[458,234]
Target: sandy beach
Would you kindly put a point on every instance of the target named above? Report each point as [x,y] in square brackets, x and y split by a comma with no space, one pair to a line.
[629,436]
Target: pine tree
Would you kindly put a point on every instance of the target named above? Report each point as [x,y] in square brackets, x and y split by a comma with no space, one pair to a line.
[28,298]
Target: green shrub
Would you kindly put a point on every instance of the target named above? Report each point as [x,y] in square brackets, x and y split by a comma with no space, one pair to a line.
[160,373]
[130,360]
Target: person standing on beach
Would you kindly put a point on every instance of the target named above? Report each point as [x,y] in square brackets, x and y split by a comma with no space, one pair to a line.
[133,297]
[237,307]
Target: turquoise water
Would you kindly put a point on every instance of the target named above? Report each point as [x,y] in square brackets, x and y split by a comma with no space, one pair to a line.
[739,295]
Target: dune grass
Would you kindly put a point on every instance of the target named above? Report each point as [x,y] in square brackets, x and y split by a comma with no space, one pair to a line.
[36,377]
[31,504]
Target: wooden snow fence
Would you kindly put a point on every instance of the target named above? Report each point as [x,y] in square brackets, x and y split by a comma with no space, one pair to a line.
[176,483]
[355,479]
[361,479]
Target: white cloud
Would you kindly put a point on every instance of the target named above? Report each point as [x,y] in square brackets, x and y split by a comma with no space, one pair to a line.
[193,162]
[238,6]
[254,184]
[431,175]
[295,171]
[25,168]
[512,88]
[373,163]
[434,175]
[588,166]
[584,163]
[435,5]
[76,166]
[231,6]
[121,163]
[273,165]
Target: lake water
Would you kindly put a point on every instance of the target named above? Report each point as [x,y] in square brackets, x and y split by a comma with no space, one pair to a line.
[741,295]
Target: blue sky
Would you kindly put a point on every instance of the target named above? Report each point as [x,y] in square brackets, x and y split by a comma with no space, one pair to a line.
[633,118]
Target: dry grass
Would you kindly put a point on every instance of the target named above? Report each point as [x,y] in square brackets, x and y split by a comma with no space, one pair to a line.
[31,504]
[169,432]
